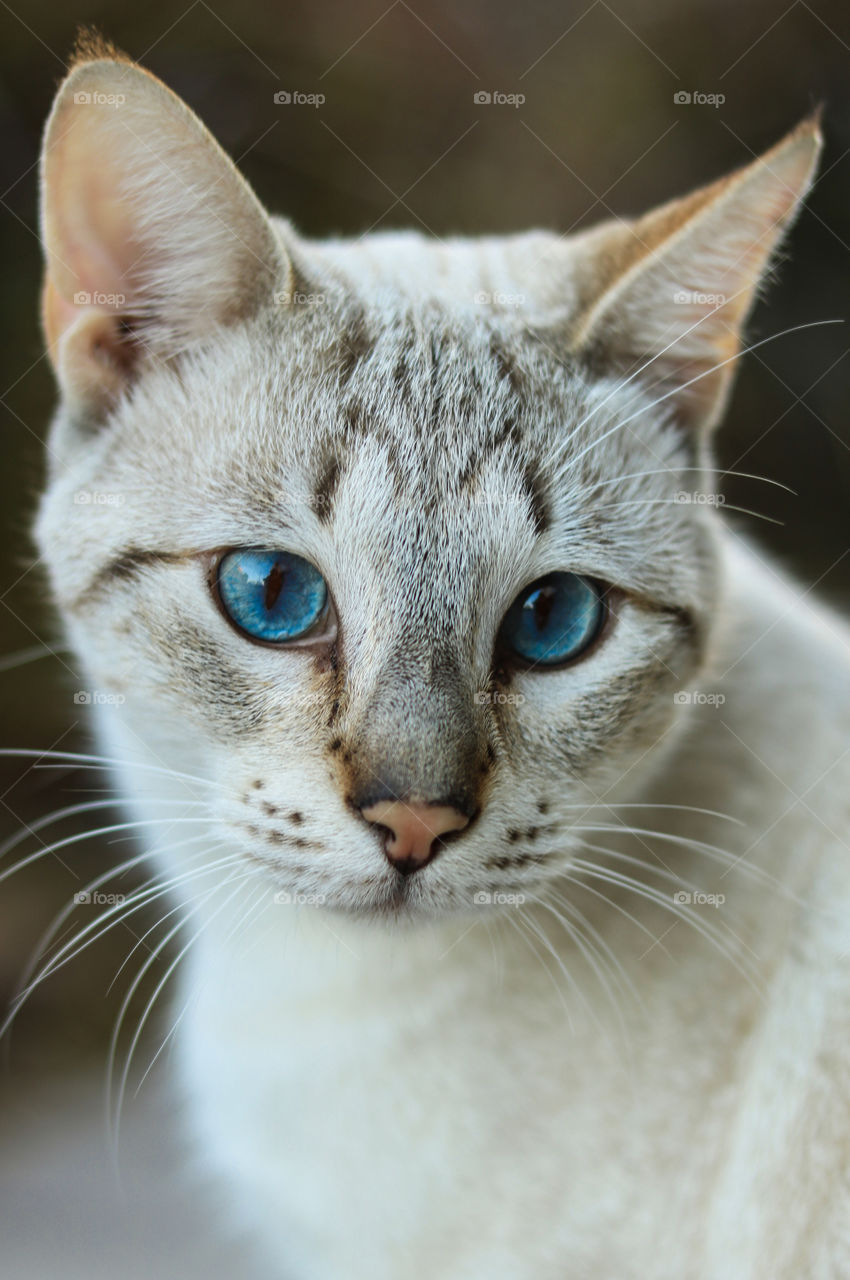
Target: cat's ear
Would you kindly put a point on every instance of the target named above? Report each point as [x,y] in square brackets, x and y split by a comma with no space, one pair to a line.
[152,238]
[666,296]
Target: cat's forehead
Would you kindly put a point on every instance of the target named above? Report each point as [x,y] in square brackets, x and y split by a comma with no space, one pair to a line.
[446,395]
[385,443]
[403,433]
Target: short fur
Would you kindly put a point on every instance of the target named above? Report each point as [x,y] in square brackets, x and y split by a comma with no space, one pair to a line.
[408,1078]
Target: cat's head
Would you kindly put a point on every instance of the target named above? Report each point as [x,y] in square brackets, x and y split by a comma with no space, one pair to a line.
[383,539]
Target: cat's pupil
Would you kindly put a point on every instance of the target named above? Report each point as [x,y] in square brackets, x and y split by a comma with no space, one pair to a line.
[274,596]
[273,586]
[542,603]
[553,620]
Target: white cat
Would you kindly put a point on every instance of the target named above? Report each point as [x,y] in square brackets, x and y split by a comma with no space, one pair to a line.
[503,786]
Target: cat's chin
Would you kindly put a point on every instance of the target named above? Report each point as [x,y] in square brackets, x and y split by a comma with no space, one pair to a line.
[412,900]
[394,898]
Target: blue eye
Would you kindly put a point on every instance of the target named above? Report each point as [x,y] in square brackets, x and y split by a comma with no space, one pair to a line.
[554,619]
[271,595]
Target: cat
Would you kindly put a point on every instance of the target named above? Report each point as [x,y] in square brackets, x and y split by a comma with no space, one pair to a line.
[501,783]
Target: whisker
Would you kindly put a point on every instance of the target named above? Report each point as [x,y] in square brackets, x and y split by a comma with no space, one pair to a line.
[570,461]
[677,909]
[250,913]
[671,502]
[584,946]
[132,825]
[675,471]
[618,906]
[70,811]
[733,861]
[651,804]
[634,374]
[116,914]
[529,942]
[559,961]
[24,656]
[92,886]
[602,946]
[96,761]
[123,912]
[671,877]
[245,874]
[167,888]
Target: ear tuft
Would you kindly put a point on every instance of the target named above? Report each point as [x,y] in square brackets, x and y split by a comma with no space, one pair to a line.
[91,46]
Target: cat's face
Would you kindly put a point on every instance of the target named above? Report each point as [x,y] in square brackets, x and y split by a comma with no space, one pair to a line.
[431,458]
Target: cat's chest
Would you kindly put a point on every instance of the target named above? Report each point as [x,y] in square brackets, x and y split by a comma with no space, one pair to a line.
[362,1109]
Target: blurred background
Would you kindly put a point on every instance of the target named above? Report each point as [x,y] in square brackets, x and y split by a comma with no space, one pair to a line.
[624,104]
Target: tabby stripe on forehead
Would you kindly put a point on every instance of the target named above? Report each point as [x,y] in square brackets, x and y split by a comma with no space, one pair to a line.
[325,490]
[533,485]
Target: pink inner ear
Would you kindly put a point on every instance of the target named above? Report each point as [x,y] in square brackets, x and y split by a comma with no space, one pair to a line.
[93,247]
[92,355]
[94,260]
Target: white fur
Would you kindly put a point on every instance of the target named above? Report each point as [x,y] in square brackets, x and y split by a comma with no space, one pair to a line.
[462,1090]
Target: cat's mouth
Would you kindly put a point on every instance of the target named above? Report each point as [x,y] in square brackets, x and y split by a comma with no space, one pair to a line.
[394,897]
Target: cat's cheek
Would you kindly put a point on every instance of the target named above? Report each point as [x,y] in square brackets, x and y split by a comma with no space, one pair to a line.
[617,700]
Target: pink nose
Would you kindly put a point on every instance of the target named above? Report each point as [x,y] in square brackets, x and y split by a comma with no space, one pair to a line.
[414,829]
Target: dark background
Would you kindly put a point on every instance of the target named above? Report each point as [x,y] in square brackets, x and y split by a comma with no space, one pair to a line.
[400,142]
